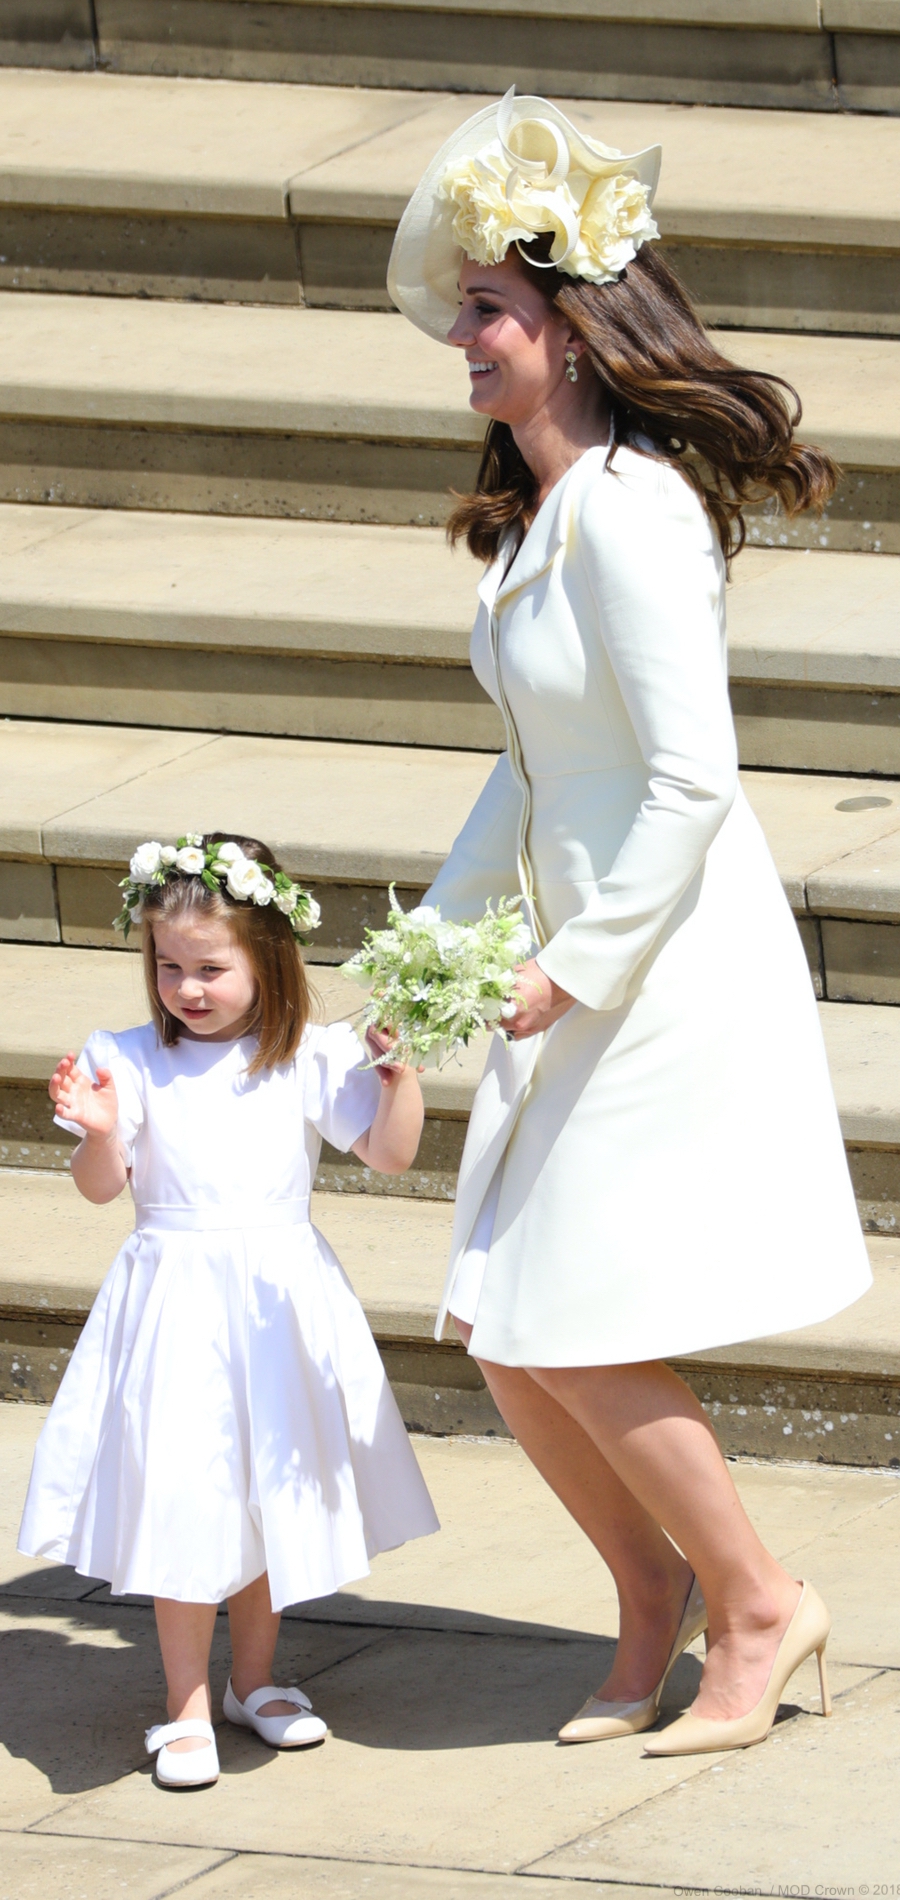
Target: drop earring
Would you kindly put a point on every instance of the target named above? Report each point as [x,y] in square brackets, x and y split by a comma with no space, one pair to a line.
[571,371]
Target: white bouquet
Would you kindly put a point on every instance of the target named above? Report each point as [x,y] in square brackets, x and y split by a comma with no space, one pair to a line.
[435,985]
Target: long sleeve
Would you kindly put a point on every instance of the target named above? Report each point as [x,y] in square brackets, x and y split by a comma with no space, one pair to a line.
[482,863]
[652,573]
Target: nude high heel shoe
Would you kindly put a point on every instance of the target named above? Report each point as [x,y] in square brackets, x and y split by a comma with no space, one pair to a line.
[808,1630]
[605,1721]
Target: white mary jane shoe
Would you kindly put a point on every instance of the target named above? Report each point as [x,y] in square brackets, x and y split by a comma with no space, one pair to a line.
[193,1767]
[280,1731]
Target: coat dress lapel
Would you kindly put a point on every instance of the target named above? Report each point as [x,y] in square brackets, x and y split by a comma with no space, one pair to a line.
[510,1065]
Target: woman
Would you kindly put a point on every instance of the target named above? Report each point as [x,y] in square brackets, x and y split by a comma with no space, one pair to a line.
[654,1164]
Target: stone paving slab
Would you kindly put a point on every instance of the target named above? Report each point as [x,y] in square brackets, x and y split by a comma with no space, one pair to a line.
[392,592]
[818,617]
[329,373]
[815,1806]
[728,173]
[49,1007]
[261,585]
[177,145]
[36,1868]
[81,794]
[57,1248]
[443,1677]
[249,1877]
[371,813]
[227,148]
[336,373]
[51,998]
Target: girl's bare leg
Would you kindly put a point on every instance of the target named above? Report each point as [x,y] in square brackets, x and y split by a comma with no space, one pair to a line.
[650,1428]
[652,1578]
[185,1638]
[254,1629]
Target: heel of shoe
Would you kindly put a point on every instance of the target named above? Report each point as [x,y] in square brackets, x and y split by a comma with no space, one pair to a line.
[824,1691]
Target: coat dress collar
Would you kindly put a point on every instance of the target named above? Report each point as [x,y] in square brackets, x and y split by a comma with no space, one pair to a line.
[545,536]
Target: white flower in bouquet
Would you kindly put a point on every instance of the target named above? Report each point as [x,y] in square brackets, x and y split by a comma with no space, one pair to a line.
[435,985]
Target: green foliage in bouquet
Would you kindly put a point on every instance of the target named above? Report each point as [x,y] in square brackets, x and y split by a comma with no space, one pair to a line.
[434,984]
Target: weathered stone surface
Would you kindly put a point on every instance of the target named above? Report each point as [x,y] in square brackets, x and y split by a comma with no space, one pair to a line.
[589,53]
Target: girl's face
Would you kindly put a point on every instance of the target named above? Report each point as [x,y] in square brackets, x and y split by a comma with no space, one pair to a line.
[515,343]
[204,977]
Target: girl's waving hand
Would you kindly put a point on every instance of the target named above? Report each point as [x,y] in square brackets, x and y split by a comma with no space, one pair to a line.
[93,1105]
[99,1169]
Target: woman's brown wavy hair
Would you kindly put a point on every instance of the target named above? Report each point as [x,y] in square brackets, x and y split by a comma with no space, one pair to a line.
[729,430]
[284,1002]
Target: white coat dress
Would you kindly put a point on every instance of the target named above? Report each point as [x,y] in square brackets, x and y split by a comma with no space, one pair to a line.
[225,1411]
[663,1170]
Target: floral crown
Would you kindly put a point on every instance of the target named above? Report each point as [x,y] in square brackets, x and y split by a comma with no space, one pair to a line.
[218,866]
[533,179]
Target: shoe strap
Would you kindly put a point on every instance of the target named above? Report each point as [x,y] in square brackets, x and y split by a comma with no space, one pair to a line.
[259,1697]
[156,1738]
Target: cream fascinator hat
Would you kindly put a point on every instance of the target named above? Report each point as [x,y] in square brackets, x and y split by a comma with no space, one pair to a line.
[513,171]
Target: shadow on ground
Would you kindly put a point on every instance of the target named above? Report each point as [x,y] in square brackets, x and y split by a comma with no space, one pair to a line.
[80,1678]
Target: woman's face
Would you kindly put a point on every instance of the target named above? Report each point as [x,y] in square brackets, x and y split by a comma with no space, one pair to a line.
[515,342]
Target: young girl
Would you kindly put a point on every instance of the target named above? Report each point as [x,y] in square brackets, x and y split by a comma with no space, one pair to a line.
[225,1428]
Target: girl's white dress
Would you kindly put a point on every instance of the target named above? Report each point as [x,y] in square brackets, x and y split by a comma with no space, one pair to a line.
[225,1411]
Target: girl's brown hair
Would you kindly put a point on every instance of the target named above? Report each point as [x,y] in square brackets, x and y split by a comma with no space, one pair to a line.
[284,1001]
[729,430]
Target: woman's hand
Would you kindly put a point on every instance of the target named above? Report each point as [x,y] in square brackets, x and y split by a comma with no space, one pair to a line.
[93,1105]
[540,1002]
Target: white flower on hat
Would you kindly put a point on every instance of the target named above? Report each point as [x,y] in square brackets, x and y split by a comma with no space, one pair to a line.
[312,911]
[485,222]
[286,901]
[514,172]
[229,852]
[615,220]
[168,855]
[147,862]
[190,859]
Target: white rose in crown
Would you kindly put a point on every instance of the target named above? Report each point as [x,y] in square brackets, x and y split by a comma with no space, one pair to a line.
[147,862]
[312,912]
[244,878]
[190,859]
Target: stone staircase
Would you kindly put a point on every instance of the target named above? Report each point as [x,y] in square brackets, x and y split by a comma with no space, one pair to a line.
[225,596]
[809,55]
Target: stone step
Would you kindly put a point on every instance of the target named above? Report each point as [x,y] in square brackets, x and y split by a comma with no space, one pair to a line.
[114,614]
[818,55]
[831,1392]
[220,409]
[279,194]
[350,819]
[51,998]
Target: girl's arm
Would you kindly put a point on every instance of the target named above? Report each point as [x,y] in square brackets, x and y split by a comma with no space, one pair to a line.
[390,1144]
[98,1164]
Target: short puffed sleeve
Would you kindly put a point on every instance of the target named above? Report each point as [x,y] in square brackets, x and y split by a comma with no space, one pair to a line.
[102,1051]
[341,1092]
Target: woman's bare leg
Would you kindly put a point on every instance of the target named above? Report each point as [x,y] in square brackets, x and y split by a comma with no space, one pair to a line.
[254,1627]
[652,1578]
[185,1637]
[650,1428]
